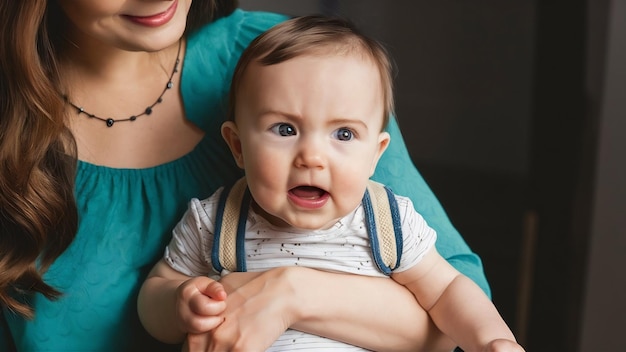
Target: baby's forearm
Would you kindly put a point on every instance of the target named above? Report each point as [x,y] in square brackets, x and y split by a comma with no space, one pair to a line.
[172,305]
[457,305]
[465,314]
[157,309]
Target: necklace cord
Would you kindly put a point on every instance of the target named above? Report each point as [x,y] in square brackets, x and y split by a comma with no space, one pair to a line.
[147,111]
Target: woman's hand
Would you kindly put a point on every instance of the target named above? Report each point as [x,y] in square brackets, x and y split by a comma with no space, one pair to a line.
[258,311]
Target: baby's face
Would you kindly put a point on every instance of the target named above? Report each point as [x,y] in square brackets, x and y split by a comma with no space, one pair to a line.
[310,134]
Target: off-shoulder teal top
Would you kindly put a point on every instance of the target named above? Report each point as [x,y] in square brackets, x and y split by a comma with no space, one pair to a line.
[126,215]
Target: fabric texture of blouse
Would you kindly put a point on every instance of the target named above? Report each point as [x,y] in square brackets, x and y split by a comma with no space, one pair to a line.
[126,215]
[345,248]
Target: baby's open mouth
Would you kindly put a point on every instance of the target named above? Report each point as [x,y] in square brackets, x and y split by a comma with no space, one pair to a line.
[307,192]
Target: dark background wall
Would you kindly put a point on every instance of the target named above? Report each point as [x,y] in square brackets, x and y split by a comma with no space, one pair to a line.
[604,308]
[513,112]
[464,72]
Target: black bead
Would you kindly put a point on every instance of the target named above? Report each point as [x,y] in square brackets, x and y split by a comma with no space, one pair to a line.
[169,84]
[148,110]
[110,122]
[133,118]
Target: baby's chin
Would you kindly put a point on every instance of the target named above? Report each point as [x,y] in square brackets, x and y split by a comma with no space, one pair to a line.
[302,221]
[312,224]
[307,222]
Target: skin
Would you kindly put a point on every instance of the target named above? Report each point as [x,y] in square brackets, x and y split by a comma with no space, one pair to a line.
[106,50]
[308,122]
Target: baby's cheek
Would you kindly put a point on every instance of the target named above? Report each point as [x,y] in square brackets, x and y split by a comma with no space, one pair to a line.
[350,194]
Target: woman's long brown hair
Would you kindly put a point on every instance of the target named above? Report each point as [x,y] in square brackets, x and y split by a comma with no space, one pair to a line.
[38,214]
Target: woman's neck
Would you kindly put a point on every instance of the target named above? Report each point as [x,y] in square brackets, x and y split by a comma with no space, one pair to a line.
[125,84]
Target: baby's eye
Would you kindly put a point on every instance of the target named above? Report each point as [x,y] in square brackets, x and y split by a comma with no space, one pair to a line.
[344,134]
[284,129]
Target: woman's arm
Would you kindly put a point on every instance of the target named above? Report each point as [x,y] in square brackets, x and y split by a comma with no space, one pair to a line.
[374,313]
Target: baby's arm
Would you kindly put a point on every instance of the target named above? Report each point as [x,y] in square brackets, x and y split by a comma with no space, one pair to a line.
[457,305]
[172,304]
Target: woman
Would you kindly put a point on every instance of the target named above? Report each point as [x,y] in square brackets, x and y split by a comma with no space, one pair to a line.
[110,113]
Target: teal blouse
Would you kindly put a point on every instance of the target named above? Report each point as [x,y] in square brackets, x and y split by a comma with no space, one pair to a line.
[126,214]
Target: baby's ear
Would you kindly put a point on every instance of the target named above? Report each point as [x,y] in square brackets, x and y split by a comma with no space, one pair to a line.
[230,133]
[383,142]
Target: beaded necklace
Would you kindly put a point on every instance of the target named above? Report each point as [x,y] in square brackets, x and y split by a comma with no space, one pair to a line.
[111,121]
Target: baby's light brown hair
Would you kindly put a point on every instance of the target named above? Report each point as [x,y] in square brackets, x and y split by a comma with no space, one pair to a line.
[309,35]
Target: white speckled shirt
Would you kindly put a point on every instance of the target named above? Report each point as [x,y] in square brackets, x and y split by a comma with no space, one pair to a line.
[342,248]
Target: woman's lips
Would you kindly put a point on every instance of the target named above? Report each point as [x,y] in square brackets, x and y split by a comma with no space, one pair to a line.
[155,20]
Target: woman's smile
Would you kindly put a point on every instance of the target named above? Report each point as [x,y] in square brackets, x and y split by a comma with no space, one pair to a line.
[155,20]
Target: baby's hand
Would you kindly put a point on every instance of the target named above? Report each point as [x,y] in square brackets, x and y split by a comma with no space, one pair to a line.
[199,302]
[503,345]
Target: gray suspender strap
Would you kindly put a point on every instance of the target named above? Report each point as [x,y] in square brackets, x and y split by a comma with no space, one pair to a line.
[382,220]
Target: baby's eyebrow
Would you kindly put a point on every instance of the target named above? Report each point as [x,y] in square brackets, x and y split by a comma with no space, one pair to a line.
[272,112]
[349,121]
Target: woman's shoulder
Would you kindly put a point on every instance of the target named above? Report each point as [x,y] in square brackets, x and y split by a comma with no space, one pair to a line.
[235,31]
[210,59]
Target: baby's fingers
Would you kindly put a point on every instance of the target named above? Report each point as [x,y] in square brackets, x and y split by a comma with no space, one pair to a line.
[213,289]
[197,311]
[206,306]
[200,325]
[503,345]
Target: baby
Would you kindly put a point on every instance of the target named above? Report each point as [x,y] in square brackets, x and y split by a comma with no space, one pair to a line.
[310,101]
